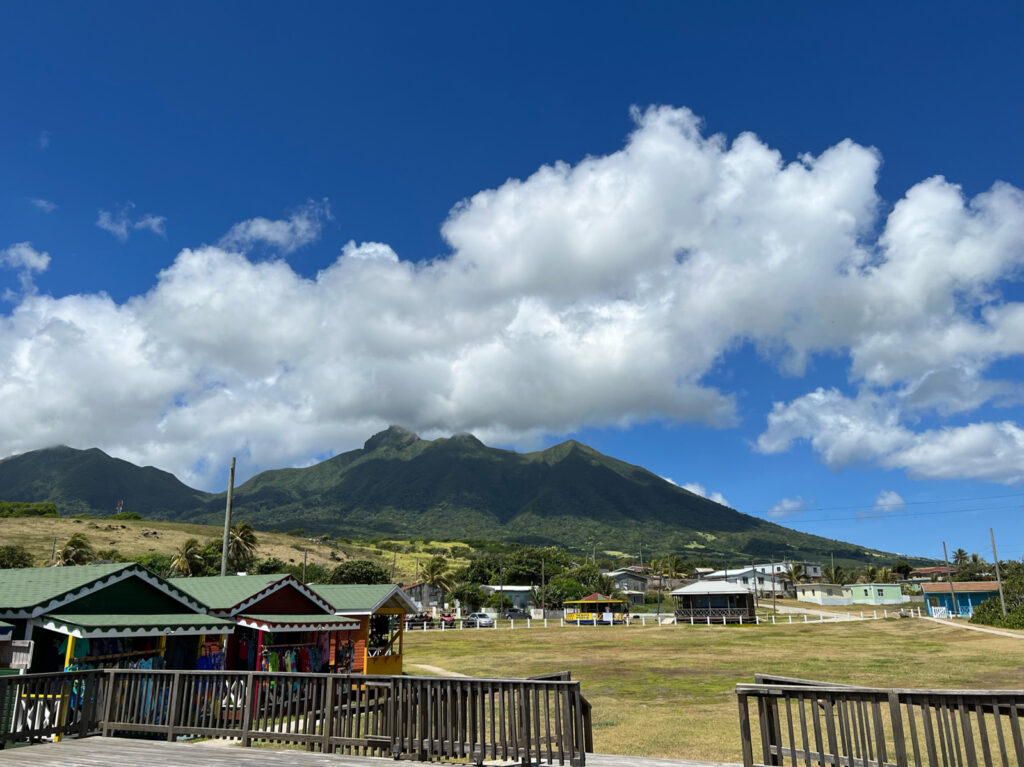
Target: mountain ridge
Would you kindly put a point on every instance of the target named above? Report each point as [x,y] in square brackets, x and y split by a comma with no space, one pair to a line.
[399,485]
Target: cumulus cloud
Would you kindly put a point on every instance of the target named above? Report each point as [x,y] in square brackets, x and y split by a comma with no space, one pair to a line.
[301,228]
[121,223]
[26,260]
[699,489]
[600,294]
[44,205]
[867,428]
[888,501]
[788,507]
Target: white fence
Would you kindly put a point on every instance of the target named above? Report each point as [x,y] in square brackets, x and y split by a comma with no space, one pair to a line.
[669,619]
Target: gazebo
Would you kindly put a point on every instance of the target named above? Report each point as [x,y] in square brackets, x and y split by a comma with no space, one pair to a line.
[714,600]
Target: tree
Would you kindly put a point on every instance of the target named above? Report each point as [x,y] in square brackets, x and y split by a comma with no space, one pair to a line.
[834,574]
[12,557]
[797,573]
[188,559]
[242,545]
[868,575]
[435,573]
[959,557]
[359,571]
[76,551]
[469,595]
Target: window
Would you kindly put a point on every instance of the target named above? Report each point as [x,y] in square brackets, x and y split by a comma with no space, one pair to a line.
[865,592]
[880,592]
[830,592]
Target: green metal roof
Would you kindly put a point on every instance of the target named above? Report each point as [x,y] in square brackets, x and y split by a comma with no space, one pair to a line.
[24,588]
[129,625]
[361,598]
[222,592]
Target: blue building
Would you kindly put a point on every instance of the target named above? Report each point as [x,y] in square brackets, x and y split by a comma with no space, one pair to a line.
[969,594]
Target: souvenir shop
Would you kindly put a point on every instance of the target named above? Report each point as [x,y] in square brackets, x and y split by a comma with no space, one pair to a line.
[66,614]
[377,647]
[280,623]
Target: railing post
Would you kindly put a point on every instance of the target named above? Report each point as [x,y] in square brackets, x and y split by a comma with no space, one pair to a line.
[325,743]
[250,709]
[174,705]
[745,744]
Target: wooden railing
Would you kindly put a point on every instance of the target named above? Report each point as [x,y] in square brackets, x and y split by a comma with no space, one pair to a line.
[806,722]
[425,718]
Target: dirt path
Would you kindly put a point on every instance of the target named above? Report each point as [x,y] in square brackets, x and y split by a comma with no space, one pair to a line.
[969,627]
[437,670]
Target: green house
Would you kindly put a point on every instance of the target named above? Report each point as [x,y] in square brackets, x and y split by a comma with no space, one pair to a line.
[875,593]
[103,616]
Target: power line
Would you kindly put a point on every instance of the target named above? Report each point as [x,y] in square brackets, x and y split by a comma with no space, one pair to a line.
[897,516]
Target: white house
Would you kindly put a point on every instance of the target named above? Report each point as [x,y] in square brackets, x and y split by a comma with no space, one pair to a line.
[810,569]
[823,594]
[751,578]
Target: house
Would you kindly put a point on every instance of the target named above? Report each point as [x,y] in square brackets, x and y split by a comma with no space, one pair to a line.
[752,579]
[925,574]
[875,594]
[381,611]
[425,596]
[520,597]
[969,594]
[280,623]
[105,616]
[823,594]
[810,570]
[714,600]
[631,583]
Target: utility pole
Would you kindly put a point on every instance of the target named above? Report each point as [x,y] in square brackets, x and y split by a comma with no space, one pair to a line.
[227,520]
[394,564]
[949,579]
[641,554]
[501,590]
[543,594]
[773,584]
[305,556]
[999,580]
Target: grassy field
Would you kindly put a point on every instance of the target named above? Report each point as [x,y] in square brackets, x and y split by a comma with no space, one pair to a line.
[133,538]
[668,691]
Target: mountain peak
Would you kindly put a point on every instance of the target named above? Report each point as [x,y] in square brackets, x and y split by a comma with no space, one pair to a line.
[394,437]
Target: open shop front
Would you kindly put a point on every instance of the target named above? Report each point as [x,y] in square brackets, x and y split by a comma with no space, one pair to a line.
[380,610]
[302,643]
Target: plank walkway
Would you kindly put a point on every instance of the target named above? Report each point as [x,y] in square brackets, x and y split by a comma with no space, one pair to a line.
[127,752]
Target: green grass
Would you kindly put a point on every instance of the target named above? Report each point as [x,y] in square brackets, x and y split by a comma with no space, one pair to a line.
[669,691]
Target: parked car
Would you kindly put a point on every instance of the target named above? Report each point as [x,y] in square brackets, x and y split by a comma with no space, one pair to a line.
[478,621]
[448,619]
[516,615]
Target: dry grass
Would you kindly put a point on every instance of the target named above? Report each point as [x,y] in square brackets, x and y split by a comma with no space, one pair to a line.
[668,691]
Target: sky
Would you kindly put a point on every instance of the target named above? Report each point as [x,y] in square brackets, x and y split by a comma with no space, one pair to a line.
[771,252]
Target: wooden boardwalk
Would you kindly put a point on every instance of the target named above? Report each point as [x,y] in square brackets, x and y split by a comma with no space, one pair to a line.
[127,752]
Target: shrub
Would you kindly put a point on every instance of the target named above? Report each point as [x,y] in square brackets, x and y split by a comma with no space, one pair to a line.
[12,557]
[359,571]
[19,509]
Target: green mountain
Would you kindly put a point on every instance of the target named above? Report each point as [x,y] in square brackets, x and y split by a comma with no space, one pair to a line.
[400,486]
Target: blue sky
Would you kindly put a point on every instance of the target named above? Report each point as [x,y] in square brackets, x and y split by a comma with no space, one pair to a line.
[242,229]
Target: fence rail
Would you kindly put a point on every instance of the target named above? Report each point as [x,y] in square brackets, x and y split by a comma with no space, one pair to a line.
[808,722]
[423,718]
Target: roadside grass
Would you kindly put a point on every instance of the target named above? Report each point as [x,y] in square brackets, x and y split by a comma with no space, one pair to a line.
[855,610]
[668,691]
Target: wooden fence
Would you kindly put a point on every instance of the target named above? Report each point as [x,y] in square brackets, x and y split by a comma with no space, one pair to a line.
[422,718]
[802,722]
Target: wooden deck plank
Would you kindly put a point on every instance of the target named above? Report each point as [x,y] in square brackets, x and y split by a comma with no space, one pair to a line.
[127,752]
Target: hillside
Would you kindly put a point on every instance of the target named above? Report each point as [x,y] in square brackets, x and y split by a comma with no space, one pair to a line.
[399,486]
[92,481]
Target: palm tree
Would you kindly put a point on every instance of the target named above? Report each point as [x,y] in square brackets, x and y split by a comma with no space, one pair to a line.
[869,575]
[885,575]
[959,556]
[188,559]
[796,572]
[76,551]
[242,545]
[834,574]
[435,573]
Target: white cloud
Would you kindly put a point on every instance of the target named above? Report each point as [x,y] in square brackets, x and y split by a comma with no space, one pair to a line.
[868,428]
[598,294]
[120,222]
[26,260]
[788,507]
[44,139]
[44,205]
[699,489]
[301,228]
[889,501]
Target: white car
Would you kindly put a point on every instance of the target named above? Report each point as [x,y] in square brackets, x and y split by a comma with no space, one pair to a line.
[478,620]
